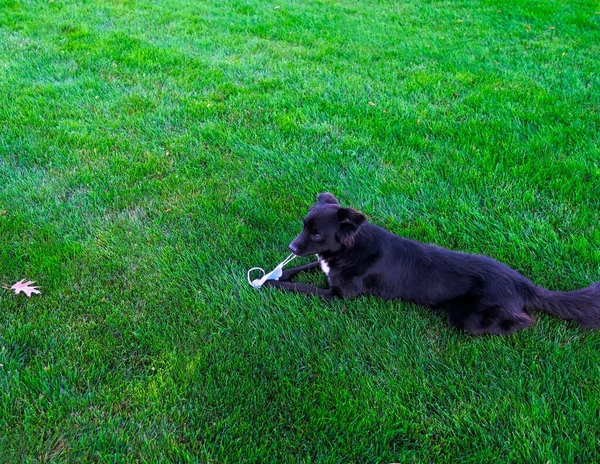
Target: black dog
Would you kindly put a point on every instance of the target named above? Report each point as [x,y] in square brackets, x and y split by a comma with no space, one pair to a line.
[479,294]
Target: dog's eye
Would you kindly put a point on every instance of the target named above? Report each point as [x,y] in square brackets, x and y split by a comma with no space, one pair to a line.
[316,236]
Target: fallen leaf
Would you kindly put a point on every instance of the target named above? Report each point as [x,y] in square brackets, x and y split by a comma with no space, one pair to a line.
[24,287]
[371,103]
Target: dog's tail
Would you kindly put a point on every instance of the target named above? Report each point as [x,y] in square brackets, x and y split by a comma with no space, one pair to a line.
[581,305]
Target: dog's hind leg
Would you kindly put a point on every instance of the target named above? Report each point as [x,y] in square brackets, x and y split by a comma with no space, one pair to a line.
[289,274]
[498,320]
[477,318]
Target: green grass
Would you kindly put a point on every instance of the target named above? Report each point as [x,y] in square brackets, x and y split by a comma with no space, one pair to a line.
[152,151]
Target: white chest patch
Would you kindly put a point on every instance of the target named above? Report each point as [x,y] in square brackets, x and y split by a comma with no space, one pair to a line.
[324,266]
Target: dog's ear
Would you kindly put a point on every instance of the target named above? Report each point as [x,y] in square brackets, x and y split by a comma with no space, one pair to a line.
[350,222]
[327,198]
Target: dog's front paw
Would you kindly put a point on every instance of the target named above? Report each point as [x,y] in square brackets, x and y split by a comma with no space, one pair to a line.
[286,276]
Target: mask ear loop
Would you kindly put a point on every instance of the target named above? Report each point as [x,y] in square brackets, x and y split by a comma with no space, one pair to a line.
[255,269]
[288,259]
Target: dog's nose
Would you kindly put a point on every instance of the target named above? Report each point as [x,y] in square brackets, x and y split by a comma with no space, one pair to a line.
[293,248]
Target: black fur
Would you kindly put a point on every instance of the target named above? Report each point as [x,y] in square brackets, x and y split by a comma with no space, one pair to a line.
[480,295]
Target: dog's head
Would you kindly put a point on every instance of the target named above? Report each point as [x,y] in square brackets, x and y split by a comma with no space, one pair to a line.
[327,227]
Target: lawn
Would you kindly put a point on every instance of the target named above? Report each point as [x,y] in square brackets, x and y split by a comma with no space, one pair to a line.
[153,151]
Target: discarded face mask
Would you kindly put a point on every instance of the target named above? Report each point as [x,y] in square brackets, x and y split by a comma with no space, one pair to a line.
[275,274]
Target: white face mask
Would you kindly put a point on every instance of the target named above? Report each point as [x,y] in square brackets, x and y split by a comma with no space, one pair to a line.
[275,274]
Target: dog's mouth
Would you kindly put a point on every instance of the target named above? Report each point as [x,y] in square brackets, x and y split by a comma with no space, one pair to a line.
[299,251]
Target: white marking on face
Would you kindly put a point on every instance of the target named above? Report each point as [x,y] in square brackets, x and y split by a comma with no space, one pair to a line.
[324,266]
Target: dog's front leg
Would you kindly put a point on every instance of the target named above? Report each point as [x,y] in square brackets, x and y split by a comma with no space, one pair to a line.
[300,288]
[289,274]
